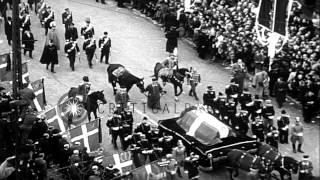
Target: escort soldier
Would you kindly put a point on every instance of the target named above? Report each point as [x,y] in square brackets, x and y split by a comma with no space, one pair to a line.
[240,122]
[71,32]
[135,155]
[87,31]
[280,91]
[230,109]
[309,106]
[268,113]
[245,98]
[166,143]
[232,91]
[283,126]
[89,46]
[208,97]
[48,19]
[71,49]
[220,103]
[127,117]
[122,98]
[124,132]
[272,136]
[133,138]
[193,77]
[258,128]
[216,113]
[305,168]
[146,149]
[115,126]
[105,45]
[297,135]
[191,164]
[67,18]
[143,127]
[154,135]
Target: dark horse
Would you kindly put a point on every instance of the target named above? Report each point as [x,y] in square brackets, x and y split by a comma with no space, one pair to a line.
[176,79]
[285,165]
[90,103]
[118,74]
[239,159]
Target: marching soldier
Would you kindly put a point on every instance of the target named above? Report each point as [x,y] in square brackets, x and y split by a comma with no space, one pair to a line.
[193,77]
[104,46]
[146,149]
[245,98]
[258,128]
[48,19]
[135,151]
[127,116]
[71,32]
[305,168]
[166,143]
[272,136]
[240,122]
[208,97]
[125,131]
[71,48]
[28,42]
[297,135]
[191,164]
[230,109]
[283,126]
[232,91]
[143,127]
[87,31]
[67,18]
[268,113]
[115,126]
[89,46]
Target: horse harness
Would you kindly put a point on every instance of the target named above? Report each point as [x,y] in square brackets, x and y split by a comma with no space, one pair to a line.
[178,75]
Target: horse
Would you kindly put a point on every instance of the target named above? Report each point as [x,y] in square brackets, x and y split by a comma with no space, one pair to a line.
[118,74]
[176,79]
[90,103]
[285,165]
[239,159]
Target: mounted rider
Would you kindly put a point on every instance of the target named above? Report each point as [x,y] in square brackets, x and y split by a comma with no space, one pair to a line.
[84,88]
[169,64]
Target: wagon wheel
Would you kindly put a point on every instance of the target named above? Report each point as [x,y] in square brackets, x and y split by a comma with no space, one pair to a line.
[71,109]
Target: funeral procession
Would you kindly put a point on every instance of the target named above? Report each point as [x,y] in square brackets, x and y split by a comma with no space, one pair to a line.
[159,89]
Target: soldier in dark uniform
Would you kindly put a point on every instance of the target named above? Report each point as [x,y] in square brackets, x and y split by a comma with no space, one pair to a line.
[208,97]
[232,91]
[220,104]
[8,29]
[272,136]
[67,18]
[71,49]
[89,46]
[194,79]
[71,32]
[87,31]
[258,128]
[124,132]
[268,113]
[135,155]
[309,106]
[230,109]
[127,117]
[280,91]
[245,98]
[28,42]
[115,126]
[283,126]
[143,127]
[305,168]
[105,45]
[191,164]
[166,143]
[240,122]
[146,149]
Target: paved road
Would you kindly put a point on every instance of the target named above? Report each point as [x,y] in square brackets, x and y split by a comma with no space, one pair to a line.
[137,44]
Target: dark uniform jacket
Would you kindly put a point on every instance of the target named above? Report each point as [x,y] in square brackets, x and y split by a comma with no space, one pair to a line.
[105,44]
[208,98]
[71,33]
[28,41]
[71,49]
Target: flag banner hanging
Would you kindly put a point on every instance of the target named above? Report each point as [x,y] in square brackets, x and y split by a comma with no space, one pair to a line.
[121,161]
[40,101]
[281,13]
[54,119]
[264,15]
[87,134]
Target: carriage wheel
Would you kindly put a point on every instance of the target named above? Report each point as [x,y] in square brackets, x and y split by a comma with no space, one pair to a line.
[71,109]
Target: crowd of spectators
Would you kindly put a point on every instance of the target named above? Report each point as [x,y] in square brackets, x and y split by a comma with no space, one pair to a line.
[224,30]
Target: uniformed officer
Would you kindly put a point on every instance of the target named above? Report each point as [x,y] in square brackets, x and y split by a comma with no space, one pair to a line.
[258,128]
[166,143]
[220,103]
[309,105]
[127,117]
[268,113]
[143,127]
[135,155]
[245,98]
[240,122]
[305,168]
[146,149]
[232,91]
[71,49]
[283,126]
[124,132]
[105,45]
[208,97]
[114,124]
[230,108]
[272,136]
[193,77]
[191,164]
[297,135]
[87,31]
[89,46]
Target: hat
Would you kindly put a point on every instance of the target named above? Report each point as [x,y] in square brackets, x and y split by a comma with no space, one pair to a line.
[144,118]
[105,33]
[87,19]
[85,79]
[283,112]
[75,151]
[95,167]
[210,88]
[154,79]
[268,101]
[305,157]
[66,145]
[77,143]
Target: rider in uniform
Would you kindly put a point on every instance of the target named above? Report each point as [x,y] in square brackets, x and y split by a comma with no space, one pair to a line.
[115,127]
[305,168]
[169,64]
[84,88]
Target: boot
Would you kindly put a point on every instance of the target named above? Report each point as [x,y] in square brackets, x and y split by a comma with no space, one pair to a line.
[179,172]
[294,148]
[299,148]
